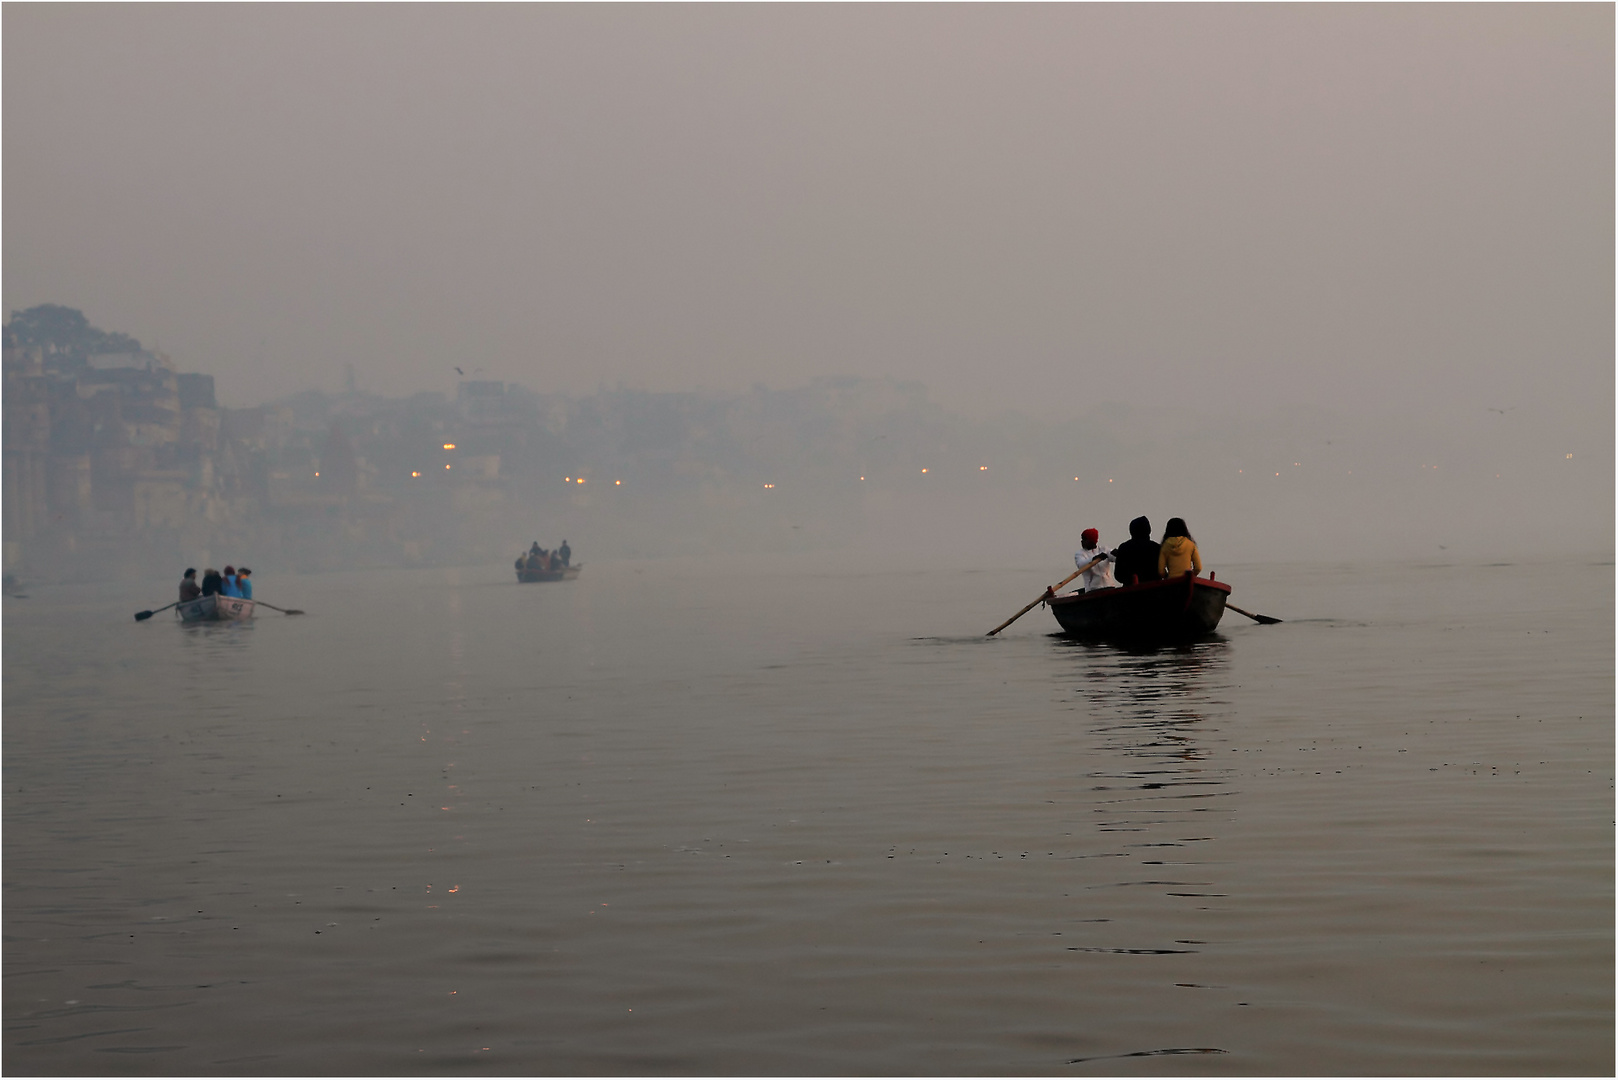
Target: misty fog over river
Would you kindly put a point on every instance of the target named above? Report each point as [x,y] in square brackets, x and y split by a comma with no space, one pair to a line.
[819,333]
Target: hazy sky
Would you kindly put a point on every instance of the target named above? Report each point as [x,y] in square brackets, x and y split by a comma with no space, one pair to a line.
[1026,207]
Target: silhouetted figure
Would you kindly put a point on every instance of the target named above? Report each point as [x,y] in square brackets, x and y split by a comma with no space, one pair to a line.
[565,553]
[1135,560]
[189,589]
[211,582]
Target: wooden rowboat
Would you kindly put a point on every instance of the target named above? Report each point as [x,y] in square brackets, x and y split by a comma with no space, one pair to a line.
[565,573]
[215,608]
[1171,609]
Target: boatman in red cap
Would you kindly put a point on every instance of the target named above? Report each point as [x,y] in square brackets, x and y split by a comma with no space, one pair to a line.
[1099,575]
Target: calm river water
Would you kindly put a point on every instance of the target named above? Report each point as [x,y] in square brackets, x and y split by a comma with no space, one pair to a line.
[789,817]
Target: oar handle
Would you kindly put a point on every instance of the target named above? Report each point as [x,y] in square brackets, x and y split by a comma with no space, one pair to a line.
[1047,594]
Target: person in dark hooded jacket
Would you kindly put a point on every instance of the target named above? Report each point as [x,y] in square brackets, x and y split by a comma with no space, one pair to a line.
[211,582]
[1135,560]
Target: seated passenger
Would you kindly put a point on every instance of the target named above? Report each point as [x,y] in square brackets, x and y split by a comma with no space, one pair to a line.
[227,583]
[1135,560]
[243,585]
[1090,549]
[210,582]
[189,589]
[1179,551]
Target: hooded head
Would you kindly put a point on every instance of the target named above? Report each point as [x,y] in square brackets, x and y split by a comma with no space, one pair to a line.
[1140,529]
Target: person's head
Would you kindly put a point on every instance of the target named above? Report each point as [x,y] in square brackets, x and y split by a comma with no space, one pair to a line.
[1089,538]
[190,571]
[244,572]
[1140,529]
[230,570]
[1176,527]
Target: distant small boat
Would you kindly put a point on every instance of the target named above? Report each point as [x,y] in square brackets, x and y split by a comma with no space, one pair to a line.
[566,573]
[215,608]
[1174,608]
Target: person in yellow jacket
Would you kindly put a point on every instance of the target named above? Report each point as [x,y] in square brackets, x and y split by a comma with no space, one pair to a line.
[1179,552]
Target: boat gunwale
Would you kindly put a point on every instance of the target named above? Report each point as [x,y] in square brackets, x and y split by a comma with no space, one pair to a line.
[1136,589]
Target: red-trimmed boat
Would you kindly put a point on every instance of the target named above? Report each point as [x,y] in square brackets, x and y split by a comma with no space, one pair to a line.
[1171,609]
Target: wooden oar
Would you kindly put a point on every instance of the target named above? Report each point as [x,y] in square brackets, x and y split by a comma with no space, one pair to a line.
[282,610]
[142,616]
[1265,619]
[1046,595]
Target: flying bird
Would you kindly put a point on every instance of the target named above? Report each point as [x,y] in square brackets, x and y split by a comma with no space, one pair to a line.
[458,371]
[1502,412]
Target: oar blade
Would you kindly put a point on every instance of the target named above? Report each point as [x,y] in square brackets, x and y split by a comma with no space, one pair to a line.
[1262,620]
[142,616]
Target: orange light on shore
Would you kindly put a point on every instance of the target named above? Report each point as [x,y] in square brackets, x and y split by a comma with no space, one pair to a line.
[619,483]
[448,466]
[449,446]
[769,485]
[924,470]
[413,472]
[580,480]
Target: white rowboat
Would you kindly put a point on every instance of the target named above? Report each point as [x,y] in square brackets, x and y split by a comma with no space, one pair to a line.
[216,608]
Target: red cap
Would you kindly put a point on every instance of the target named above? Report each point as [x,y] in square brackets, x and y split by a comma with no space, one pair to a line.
[1090,535]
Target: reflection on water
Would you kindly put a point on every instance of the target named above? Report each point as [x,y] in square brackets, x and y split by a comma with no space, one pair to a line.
[1154,715]
[224,633]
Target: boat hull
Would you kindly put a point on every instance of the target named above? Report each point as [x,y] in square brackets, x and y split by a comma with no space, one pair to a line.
[1167,610]
[566,573]
[215,608]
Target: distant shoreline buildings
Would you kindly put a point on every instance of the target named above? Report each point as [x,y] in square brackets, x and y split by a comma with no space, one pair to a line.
[118,465]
